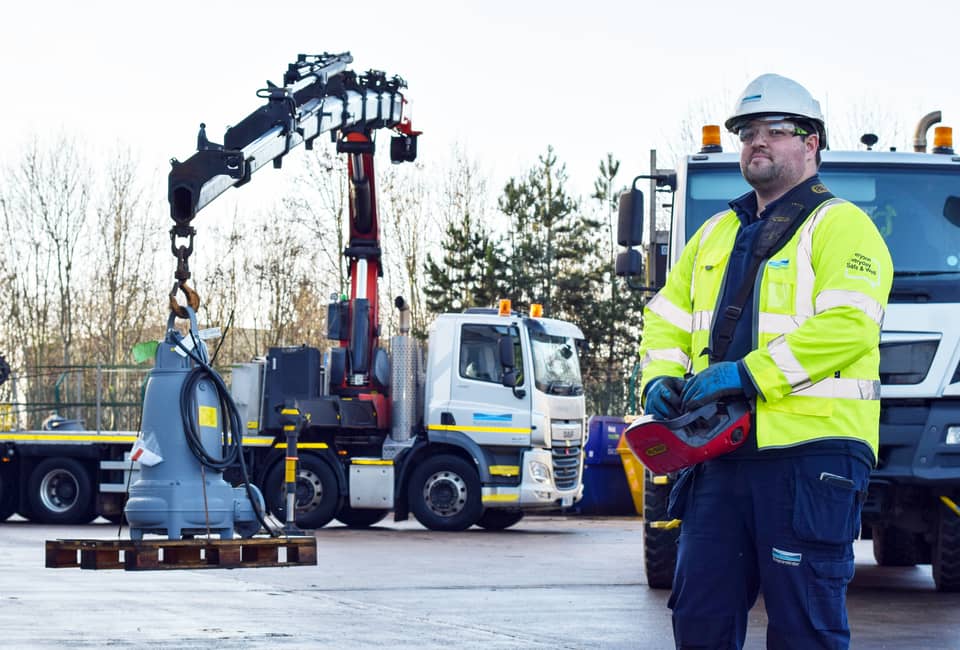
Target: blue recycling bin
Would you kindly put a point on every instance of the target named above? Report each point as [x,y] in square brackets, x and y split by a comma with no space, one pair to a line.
[605,487]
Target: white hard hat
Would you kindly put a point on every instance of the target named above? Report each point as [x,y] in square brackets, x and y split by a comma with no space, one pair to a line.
[773,95]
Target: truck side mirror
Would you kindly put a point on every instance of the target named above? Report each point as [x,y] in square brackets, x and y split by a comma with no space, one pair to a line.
[630,234]
[630,263]
[630,221]
[507,358]
[509,361]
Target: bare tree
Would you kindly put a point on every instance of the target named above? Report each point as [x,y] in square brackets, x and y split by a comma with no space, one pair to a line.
[124,290]
[320,205]
[44,205]
[56,192]
[848,123]
[227,300]
[280,265]
[686,136]
[405,233]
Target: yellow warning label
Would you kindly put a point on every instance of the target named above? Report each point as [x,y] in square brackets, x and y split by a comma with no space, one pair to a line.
[207,416]
[655,450]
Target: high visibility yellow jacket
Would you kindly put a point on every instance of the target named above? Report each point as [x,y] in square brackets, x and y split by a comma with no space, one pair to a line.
[816,324]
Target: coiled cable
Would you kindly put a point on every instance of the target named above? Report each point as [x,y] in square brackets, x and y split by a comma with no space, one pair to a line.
[232,431]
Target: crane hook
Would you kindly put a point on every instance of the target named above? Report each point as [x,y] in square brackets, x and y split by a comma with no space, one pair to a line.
[193,299]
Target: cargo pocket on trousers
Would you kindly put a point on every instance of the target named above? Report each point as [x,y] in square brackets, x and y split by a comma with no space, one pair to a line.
[823,512]
[680,493]
[826,593]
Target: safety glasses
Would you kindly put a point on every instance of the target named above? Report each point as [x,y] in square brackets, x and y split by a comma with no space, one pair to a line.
[771,131]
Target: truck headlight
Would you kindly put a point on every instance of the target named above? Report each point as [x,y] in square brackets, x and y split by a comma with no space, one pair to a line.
[953,435]
[539,472]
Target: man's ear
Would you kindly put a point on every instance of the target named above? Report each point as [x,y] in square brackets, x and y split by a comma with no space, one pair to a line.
[812,144]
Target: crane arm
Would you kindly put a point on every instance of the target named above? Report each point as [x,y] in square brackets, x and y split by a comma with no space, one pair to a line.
[319,95]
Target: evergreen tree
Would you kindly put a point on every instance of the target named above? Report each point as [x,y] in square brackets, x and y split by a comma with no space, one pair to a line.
[551,245]
[469,273]
[619,309]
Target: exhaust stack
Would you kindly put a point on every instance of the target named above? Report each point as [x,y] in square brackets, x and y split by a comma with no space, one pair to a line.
[403,378]
[920,135]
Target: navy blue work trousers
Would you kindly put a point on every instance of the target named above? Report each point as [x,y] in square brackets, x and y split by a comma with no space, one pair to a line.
[784,527]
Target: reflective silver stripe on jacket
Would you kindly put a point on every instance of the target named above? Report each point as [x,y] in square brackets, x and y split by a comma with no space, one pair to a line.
[785,360]
[805,276]
[707,229]
[675,355]
[840,298]
[702,320]
[770,323]
[669,312]
[843,388]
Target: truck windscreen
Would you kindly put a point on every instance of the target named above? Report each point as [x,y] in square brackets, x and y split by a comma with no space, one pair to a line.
[913,207]
[556,369]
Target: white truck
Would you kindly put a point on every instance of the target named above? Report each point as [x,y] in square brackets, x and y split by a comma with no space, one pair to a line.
[911,512]
[494,427]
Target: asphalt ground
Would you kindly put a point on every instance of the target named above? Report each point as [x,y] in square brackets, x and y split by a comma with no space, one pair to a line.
[550,582]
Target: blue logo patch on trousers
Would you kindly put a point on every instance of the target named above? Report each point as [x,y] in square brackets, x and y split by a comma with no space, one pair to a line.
[786,557]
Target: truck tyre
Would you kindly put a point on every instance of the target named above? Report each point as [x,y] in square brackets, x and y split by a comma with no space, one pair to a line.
[499,519]
[444,493]
[946,552]
[360,517]
[60,491]
[659,544]
[317,495]
[894,546]
[8,495]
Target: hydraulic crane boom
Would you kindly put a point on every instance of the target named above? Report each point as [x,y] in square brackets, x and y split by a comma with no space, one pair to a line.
[319,95]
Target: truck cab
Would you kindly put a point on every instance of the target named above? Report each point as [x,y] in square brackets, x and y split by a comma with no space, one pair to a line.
[913,199]
[525,414]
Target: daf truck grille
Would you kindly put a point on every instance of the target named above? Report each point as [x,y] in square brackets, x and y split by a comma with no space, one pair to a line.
[906,362]
[566,466]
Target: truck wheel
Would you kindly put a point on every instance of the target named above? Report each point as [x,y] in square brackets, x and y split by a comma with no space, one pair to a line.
[659,544]
[8,496]
[499,519]
[444,493]
[360,517]
[317,494]
[946,553]
[894,546]
[60,491]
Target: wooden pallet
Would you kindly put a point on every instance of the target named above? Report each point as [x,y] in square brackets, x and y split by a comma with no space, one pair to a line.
[150,554]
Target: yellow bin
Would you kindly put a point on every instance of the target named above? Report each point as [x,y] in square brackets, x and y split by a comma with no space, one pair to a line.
[634,470]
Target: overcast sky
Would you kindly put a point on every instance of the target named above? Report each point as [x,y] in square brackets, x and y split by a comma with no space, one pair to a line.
[503,79]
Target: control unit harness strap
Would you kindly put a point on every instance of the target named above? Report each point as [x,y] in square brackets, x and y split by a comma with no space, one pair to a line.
[776,231]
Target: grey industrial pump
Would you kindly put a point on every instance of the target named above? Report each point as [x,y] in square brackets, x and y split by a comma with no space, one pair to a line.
[190,433]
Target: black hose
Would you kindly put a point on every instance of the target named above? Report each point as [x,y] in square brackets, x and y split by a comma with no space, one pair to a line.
[188,407]
[232,431]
